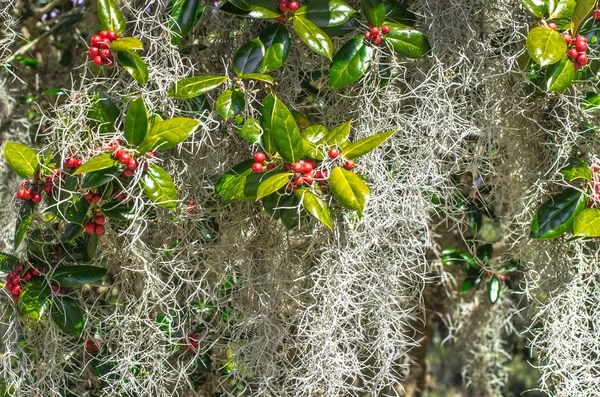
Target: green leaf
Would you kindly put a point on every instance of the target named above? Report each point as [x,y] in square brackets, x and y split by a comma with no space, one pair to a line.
[119,210]
[159,187]
[276,41]
[494,289]
[230,103]
[72,231]
[539,8]
[350,62]
[8,262]
[240,183]
[191,87]
[99,178]
[587,223]
[273,183]
[285,133]
[348,189]
[168,133]
[407,41]
[315,133]
[251,131]
[315,206]
[266,119]
[67,315]
[136,122]
[21,159]
[555,217]
[545,46]
[485,252]
[583,8]
[338,136]
[105,113]
[577,169]
[126,44]
[365,145]
[134,65]
[243,4]
[184,16]
[592,101]
[284,208]
[110,17]
[313,37]
[77,211]
[560,75]
[399,13]
[468,284]
[89,247]
[263,9]
[73,276]
[34,298]
[248,57]
[24,219]
[300,118]
[374,11]
[97,163]
[258,76]
[561,9]
[326,13]
[347,27]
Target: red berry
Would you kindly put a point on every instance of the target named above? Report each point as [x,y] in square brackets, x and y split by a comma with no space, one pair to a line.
[98,60]
[582,59]
[280,18]
[502,277]
[54,287]
[21,194]
[312,162]
[294,6]
[90,227]
[17,289]
[94,51]
[581,38]
[105,53]
[99,220]
[257,167]
[192,342]
[96,197]
[568,38]
[375,31]
[297,167]
[259,157]
[125,158]
[95,40]
[308,167]
[283,7]
[299,181]
[104,43]
[577,65]
[133,164]
[596,15]
[333,153]
[112,35]
[36,198]
[191,202]
[270,166]
[103,34]
[89,196]
[150,154]
[27,277]
[23,184]
[385,29]
[552,25]
[595,166]
[376,40]
[27,194]
[34,272]
[48,188]
[99,230]
[572,53]
[581,46]
[368,35]
[308,179]
[128,173]
[349,164]
[287,166]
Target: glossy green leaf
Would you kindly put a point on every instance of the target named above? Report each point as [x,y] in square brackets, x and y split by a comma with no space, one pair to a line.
[97,163]
[99,178]
[89,247]
[21,159]
[24,219]
[73,276]
[126,44]
[494,289]
[583,9]
[539,8]
[266,120]
[338,136]
[159,187]
[243,4]
[555,217]
[168,133]
[398,12]
[72,231]
[350,26]
[545,46]
[407,41]
[258,76]
[276,41]
[104,113]
[110,16]
[262,9]
[230,103]
[315,206]
[136,122]
[33,300]
[326,13]
[272,183]
[251,131]
[592,100]
[365,145]
[8,262]
[285,133]
[284,208]
[577,169]
[248,57]
[119,210]
[315,133]
[348,189]
[134,65]
[183,17]
[560,75]
[468,284]
[374,11]
[67,315]
[587,223]
[561,9]
[191,87]
[77,211]
[313,37]
[300,118]
[240,183]
[350,63]
[485,252]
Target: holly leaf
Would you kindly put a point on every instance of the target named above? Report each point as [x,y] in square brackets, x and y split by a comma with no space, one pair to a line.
[285,133]
[230,103]
[326,13]
[240,183]
[273,183]
[74,276]
[592,101]
[560,75]
[168,133]
[555,217]
[110,16]
[365,145]
[561,9]
[374,11]
[99,178]
[576,169]
[191,87]
[119,210]
[72,231]
[587,223]
[33,299]
[67,315]
[248,57]
[126,44]
[258,76]
[262,9]
[494,289]
[283,207]
[313,37]
[399,13]
[251,131]
[136,122]
[348,189]
[97,163]
[315,133]
[582,10]
[315,206]
[159,187]
[539,8]
[338,136]
[266,120]
[184,16]
[545,46]
[21,159]
[77,211]
[8,262]
[407,41]
[104,113]
[350,63]
[276,41]
[24,219]
[134,65]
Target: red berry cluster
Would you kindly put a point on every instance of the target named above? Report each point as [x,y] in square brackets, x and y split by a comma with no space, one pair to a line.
[99,49]
[73,162]
[15,280]
[29,191]
[97,226]
[578,52]
[260,159]
[374,34]
[285,6]
[595,184]
[130,163]
[91,346]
